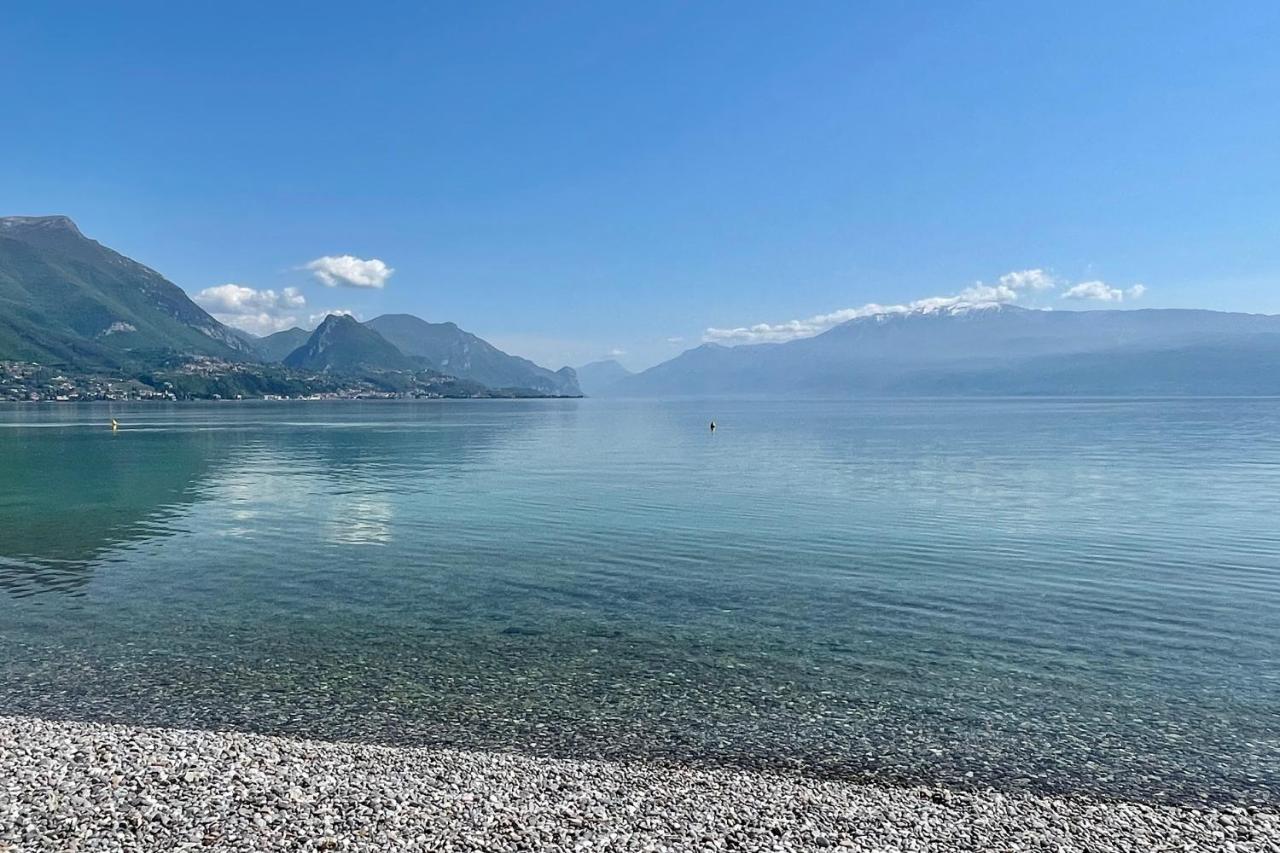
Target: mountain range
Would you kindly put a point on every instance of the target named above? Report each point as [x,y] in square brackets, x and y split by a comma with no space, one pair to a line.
[989,349]
[74,305]
[462,354]
[341,344]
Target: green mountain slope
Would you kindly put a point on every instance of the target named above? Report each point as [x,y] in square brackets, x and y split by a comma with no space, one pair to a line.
[462,354]
[68,300]
[277,346]
[342,345]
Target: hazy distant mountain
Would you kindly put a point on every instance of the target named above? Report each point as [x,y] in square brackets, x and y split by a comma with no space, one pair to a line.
[342,345]
[276,346]
[66,299]
[596,377]
[459,353]
[988,350]
[1248,366]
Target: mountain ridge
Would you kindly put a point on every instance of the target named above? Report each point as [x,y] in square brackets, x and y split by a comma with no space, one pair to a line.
[69,304]
[277,345]
[460,353]
[68,299]
[897,353]
[341,344]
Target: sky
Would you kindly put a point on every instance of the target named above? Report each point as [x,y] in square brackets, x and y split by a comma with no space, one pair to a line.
[576,181]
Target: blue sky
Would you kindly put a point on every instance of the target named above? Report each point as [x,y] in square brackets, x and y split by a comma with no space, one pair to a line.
[570,180]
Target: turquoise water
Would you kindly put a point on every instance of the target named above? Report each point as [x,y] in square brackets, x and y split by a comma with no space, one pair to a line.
[1060,595]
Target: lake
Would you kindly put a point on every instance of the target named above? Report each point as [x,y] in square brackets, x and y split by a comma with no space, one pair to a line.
[1077,596]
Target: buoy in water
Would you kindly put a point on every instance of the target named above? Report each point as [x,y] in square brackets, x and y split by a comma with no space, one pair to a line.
[713,426]
[115,425]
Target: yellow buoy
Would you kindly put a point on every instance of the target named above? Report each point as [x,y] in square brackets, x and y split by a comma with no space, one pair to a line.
[115,425]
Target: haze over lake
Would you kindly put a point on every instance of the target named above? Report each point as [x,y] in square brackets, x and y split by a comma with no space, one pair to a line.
[1064,595]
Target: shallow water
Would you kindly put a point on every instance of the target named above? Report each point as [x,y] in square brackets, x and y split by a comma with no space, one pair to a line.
[1062,595]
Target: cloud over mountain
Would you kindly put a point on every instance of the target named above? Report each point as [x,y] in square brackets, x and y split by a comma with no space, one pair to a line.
[317,317]
[258,311]
[350,271]
[1009,288]
[262,312]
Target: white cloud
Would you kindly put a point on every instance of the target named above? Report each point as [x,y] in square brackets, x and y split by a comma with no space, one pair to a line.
[258,311]
[615,352]
[318,317]
[1100,291]
[350,271]
[1009,288]
[675,340]
[1036,279]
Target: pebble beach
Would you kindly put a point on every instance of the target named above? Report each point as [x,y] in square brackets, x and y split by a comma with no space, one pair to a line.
[79,787]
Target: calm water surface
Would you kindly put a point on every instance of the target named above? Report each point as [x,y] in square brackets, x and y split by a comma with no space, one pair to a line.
[1077,596]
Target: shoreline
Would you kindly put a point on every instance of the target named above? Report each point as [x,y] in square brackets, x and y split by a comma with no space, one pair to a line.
[76,786]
